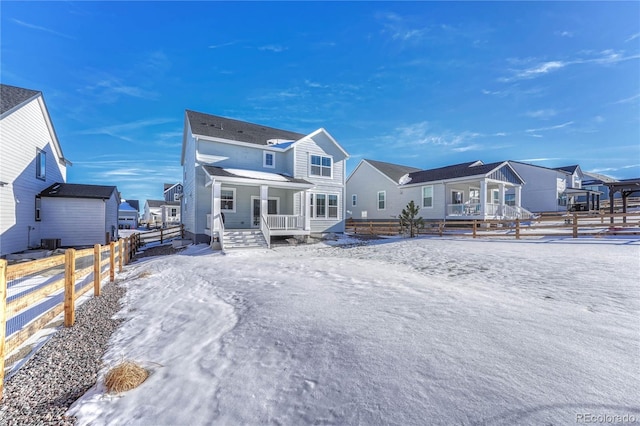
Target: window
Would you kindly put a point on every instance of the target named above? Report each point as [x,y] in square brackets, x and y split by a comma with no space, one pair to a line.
[320,166]
[562,199]
[474,196]
[510,199]
[321,205]
[354,200]
[457,197]
[174,212]
[382,200]
[333,206]
[41,164]
[176,196]
[38,208]
[268,159]
[427,196]
[495,196]
[228,199]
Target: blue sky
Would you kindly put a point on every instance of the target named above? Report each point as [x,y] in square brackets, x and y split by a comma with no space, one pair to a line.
[425,84]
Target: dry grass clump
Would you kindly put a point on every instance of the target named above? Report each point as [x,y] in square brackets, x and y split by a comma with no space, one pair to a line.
[125,376]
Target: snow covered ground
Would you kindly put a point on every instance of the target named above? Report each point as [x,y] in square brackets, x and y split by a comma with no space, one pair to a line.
[400,332]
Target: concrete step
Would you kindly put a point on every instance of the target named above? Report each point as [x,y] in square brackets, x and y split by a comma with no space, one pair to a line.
[244,238]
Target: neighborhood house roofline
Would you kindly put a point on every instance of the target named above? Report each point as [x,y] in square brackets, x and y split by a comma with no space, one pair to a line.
[458,172]
[74,190]
[540,167]
[13,98]
[391,171]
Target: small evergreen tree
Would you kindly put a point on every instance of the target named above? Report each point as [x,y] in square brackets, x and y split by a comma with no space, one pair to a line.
[409,219]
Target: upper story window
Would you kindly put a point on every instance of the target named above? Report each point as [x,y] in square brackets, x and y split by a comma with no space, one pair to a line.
[268,159]
[38,208]
[321,166]
[382,200]
[41,164]
[427,196]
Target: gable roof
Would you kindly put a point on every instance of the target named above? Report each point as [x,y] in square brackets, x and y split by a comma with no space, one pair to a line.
[473,168]
[252,175]
[12,96]
[168,186]
[156,203]
[568,169]
[226,128]
[74,190]
[390,170]
[134,203]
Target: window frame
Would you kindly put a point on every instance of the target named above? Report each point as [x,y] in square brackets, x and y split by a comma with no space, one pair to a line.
[41,164]
[384,200]
[38,209]
[265,154]
[233,200]
[354,200]
[423,197]
[330,206]
[314,206]
[321,166]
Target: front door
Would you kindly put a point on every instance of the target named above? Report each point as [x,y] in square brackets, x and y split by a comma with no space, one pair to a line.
[272,208]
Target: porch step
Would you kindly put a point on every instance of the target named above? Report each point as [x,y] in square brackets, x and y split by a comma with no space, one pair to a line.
[244,238]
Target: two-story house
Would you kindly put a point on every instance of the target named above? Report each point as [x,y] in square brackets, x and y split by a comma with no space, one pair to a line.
[247,182]
[31,160]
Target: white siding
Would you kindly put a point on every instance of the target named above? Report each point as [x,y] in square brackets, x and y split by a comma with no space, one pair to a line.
[243,157]
[111,215]
[188,201]
[540,191]
[22,133]
[76,221]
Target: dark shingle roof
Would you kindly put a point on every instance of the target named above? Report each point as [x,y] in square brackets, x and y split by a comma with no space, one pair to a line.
[12,96]
[568,169]
[219,171]
[227,128]
[74,190]
[134,203]
[451,172]
[392,171]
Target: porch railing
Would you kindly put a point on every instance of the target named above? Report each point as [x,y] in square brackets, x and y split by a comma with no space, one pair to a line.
[285,221]
[491,210]
[266,232]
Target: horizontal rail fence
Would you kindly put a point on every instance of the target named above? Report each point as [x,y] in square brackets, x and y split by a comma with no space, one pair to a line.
[572,225]
[160,235]
[33,293]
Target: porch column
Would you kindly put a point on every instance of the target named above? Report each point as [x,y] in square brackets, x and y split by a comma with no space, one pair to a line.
[215,206]
[501,191]
[483,197]
[304,209]
[264,203]
[518,196]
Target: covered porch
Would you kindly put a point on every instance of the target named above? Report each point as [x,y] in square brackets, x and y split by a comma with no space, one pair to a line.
[484,199]
[268,203]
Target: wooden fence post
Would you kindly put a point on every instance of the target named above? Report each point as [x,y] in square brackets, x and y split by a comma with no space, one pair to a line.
[575,225]
[120,253]
[517,229]
[3,318]
[182,231]
[97,259]
[112,261]
[69,287]
[161,232]
[440,226]
[475,226]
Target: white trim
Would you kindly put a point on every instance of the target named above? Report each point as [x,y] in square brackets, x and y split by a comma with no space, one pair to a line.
[331,138]
[264,159]
[257,197]
[321,166]
[235,200]
[384,193]
[313,203]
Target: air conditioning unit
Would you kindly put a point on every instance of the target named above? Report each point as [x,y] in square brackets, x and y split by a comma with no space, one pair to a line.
[50,243]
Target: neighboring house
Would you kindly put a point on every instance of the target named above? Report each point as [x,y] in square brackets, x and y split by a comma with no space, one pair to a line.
[239,175]
[153,212]
[31,159]
[78,215]
[473,190]
[170,213]
[555,190]
[172,192]
[127,216]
